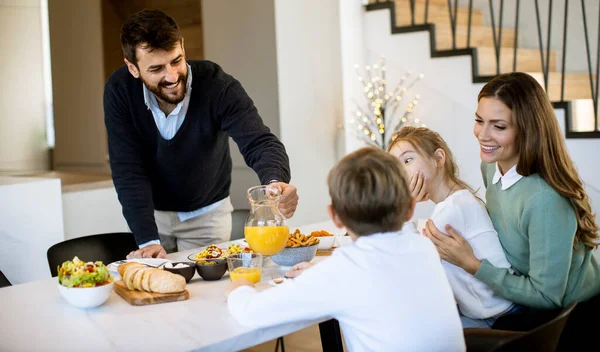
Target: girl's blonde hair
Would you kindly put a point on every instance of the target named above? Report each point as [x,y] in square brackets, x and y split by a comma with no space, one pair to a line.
[541,146]
[426,142]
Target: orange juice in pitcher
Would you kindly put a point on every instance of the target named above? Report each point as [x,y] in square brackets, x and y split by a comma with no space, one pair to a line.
[267,240]
[266,230]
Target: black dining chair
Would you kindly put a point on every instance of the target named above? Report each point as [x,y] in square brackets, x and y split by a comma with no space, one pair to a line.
[106,247]
[4,281]
[575,333]
[544,338]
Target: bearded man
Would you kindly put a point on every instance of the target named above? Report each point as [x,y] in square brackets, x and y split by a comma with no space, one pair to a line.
[168,122]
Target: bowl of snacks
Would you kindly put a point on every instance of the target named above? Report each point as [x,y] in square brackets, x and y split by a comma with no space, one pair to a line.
[211,269]
[210,252]
[326,239]
[214,252]
[84,284]
[299,248]
[185,269]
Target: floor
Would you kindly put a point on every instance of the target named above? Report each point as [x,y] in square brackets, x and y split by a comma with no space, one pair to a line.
[307,340]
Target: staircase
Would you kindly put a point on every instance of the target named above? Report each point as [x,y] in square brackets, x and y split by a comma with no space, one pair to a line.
[481,42]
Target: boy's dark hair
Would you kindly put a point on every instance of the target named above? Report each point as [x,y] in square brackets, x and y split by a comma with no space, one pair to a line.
[369,192]
[150,30]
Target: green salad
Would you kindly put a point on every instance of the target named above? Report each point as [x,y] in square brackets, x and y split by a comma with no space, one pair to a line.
[77,273]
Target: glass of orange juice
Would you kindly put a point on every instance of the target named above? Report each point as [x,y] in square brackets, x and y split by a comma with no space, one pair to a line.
[245,265]
[266,230]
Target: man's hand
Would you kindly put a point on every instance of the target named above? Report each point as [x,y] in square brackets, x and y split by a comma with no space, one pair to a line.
[289,198]
[151,251]
[298,269]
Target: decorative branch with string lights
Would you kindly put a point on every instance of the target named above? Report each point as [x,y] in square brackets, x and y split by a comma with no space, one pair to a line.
[375,125]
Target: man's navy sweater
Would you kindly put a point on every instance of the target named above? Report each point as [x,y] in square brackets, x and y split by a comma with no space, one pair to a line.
[193,169]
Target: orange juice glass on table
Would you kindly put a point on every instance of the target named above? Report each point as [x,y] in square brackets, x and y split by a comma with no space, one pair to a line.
[245,266]
[266,230]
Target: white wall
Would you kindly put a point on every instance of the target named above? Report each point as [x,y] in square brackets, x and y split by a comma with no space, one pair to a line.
[30,222]
[353,52]
[239,35]
[90,212]
[287,56]
[310,97]
[22,121]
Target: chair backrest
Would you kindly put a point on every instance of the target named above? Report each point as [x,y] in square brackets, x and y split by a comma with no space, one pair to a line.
[543,338]
[238,220]
[4,281]
[107,247]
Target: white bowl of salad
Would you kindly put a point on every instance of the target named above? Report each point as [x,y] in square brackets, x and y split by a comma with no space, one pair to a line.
[84,284]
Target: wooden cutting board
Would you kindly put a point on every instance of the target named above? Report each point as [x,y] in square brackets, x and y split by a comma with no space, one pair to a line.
[139,298]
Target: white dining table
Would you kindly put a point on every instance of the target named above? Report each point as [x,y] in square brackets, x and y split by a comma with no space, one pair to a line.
[35,317]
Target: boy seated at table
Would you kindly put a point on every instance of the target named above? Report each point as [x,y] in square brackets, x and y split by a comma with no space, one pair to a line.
[388,290]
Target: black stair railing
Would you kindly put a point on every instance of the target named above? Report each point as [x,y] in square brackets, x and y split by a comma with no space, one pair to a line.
[497,7]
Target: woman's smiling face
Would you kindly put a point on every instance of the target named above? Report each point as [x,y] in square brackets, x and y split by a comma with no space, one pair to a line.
[497,134]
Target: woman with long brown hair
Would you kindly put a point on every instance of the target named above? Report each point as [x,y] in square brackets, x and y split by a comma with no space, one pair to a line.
[535,199]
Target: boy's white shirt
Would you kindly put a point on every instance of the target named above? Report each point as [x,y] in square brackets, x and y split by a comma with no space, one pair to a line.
[467,215]
[388,291]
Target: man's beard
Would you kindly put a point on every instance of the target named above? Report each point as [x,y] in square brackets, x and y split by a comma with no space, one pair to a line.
[157,90]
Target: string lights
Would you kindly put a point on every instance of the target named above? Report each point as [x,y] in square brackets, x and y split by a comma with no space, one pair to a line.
[376,122]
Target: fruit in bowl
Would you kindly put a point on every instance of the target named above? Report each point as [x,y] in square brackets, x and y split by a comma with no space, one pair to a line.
[84,284]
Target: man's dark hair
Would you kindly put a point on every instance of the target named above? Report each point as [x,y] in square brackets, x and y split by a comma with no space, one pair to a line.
[150,30]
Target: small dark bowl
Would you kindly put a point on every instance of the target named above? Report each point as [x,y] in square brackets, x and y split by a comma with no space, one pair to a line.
[211,272]
[187,273]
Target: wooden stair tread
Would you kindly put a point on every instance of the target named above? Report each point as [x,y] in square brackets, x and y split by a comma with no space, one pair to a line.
[527,60]
[480,36]
[431,2]
[577,85]
[436,14]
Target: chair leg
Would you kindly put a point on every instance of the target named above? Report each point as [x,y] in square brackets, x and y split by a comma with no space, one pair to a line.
[280,343]
[331,336]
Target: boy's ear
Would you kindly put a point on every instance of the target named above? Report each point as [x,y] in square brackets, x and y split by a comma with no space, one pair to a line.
[411,209]
[440,157]
[132,69]
[334,217]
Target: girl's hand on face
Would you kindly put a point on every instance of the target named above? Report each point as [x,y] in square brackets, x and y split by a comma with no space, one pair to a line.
[453,248]
[417,187]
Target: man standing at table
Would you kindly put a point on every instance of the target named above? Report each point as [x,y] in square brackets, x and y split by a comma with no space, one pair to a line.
[168,121]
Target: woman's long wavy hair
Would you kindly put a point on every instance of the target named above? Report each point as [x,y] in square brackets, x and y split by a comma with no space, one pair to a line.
[541,146]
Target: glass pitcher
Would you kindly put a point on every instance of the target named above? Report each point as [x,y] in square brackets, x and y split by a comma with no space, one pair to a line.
[266,230]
